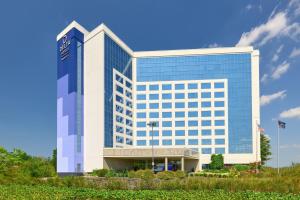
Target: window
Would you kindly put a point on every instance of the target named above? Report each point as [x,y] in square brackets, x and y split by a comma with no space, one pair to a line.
[192,86]
[155,133]
[219,150]
[153,87]
[119,139]
[119,109]
[128,85]
[219,85]
[119,89]
[219,113]
[219,94]
[219,132]
[193,123]
[153,115]
[167,142]
[141,124]
[154,105]
[193,104]
[205,86]
[206,132]
[129,104]
[206,150]
[166,114]
[129,113]
[206,141]
[119,99]
[219,141]
[166,133]
[219,122]
[179,86]
[167,96]
[179,105]
[128,122]
[128,141]
[179,96]
[128,94]
[219,103]
[205,95]
[141,142]
[205,104]
[166,87]
[155,142]
[179,114]
[193,95]
[179,142]
[206,123]
[153,96]
[141,97]
[119,119]
[119,78]
[119,129]
[166,105]
[193,132]
[179,133]
[179,123]
[206,113]
[141,87]
[193,142]
[141,106]
[167,124]
[141,133]
[193,114]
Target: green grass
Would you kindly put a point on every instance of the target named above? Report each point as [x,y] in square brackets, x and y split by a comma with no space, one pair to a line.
[49,192]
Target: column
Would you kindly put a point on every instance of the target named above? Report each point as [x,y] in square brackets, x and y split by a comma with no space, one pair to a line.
[166,164]
[182,163]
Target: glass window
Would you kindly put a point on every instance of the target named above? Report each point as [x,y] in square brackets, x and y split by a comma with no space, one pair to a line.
[206,104]
[153,96]
[128,141]
[206,141]
[219,141]
[129,113]
[166,133]
[155,133]
[193,104]
[153,115]
[141,133]
[141,124]
[193,86]
[141,142]
[128,132]
[219,132]
[119,119]
[128,122]
[119,89]
[119,109]
[219,122]
[206,123]
[219,150]
[166,87]
[193,95]
[179,86]
[166,105]
[205,95]
[141,97]
[119,139]
[206,132]
[179,105]
[167,142]
[167,123]
[206,150]
[141,115]
[179,142]
[193,123]
[166,114]
[128,85]
[128,94]
[119,99]
[205,86]
[219,85]
[193,114]
[119,78]
[153,87]
[193,142]
[206,113]
[141,87]
[219,103]
[193,132]
[219,113]
[141,106]
[179,114]
[179,123]
[179,96]
[219,94]
[128,103]
[167,96]
[119,129]
[179,133]
[155,142]
[154,105]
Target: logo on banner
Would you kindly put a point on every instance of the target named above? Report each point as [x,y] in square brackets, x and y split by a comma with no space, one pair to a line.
[64,48]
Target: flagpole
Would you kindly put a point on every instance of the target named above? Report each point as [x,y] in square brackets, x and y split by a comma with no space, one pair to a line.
[278,149]
[256,171]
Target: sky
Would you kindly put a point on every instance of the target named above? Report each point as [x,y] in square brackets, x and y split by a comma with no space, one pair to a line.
[28,56]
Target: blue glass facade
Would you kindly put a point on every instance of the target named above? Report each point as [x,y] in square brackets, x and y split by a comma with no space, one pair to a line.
[236,68]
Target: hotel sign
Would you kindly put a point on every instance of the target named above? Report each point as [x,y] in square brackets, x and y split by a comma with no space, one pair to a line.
[64,48]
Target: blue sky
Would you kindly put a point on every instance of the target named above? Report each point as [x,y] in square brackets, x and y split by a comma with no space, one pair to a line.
[28,56]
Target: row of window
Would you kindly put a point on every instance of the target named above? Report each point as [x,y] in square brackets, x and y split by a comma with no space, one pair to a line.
[182,123]
[121,80]
[180,114]
[168,105]
[193,132]
[182,142]
[179,86]
[120,139]
[191,95]
[120,129]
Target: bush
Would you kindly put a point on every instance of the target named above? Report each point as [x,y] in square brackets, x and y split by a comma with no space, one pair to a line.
[100,172]
[143,174]
[166,175]
[180,174]
[217,161]
[241,167]
[38,167]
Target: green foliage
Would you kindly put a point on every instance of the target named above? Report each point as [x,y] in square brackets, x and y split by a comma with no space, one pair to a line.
[143,174]
[54,159]
[265,149]
[100,172]
[217,161]
[242,167]
[167,175]
[38,167]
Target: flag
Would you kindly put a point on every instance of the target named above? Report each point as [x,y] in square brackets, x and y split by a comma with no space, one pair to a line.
[281,124]
[260,129]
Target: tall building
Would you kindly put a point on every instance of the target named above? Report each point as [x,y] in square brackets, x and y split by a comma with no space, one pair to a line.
[203,102]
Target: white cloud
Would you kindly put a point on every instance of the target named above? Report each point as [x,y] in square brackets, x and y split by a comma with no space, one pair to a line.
[280,70]
[267,99]
[276,55]
[295,53]
[249,7]
[214,45]
[264,78]
[291,113]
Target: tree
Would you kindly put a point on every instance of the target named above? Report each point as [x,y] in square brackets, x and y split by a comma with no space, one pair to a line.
[217,161]
[265,148]
[54,158]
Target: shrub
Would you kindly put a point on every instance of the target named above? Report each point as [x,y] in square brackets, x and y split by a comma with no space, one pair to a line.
[217,161]
[166,175]
[38,167]
[143,174]
[180,174]
[100,172]
[241,167]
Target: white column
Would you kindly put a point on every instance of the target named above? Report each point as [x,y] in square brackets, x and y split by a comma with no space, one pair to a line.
[166,163]
[182,163]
